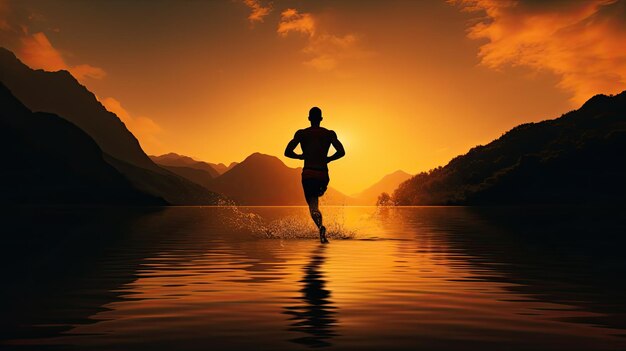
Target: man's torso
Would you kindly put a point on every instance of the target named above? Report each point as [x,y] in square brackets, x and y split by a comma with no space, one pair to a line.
[315,143]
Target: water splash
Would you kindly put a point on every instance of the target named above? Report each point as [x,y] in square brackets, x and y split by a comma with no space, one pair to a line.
[296,227]
[288,227]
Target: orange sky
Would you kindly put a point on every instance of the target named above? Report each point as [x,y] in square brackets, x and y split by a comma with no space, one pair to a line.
[405,84]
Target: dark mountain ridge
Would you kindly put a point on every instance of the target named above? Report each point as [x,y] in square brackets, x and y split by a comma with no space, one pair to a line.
[49,160]
[175,160]
[577,158]
[61,94]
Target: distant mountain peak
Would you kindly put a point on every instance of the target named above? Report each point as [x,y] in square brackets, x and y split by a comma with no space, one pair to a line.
[262,179]
[387,184]
[173,159]
[170,155]
[258,159]
[260,156]
[398,172]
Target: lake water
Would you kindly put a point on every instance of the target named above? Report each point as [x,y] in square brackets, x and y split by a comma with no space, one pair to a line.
[424,278]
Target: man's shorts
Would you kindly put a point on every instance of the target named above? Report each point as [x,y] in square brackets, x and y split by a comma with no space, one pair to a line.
[314,182]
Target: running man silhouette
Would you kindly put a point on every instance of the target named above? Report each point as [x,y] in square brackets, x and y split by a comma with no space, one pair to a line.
[315,142]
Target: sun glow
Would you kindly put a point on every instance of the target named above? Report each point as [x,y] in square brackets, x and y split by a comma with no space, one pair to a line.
[246,84]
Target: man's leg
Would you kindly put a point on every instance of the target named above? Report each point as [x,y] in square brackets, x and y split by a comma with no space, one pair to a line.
[313,202]
[316,214]
[313,189]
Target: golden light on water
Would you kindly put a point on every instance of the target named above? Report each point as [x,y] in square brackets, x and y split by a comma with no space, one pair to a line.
[422,285]
[444,278]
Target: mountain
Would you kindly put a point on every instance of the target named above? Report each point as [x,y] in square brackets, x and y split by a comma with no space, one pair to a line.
[577,158]
[48,160]
[265,180]
[61,94]
[177,190]
[176,160]
[386,185]
[198,176]
[222,168]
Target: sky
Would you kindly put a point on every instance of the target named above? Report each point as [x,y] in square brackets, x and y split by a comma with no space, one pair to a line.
[405,84]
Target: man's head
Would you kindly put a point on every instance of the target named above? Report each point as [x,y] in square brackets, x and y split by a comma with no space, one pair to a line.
[315,116]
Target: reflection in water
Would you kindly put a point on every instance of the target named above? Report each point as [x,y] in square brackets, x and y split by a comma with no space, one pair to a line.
[426,278]
[316,315]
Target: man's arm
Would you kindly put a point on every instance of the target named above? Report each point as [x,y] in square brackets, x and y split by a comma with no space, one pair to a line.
[289,150]
[341,152]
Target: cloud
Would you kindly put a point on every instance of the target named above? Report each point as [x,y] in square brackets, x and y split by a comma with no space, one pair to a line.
[258,10]
[325,50]
[293,21]
[35,49]
[144,128]
[87,71]
[37,52]
[582,42]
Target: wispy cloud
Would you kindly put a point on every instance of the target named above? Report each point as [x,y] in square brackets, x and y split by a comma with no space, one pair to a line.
[258,11]
[37,52]
[293,21]
[580,41]
[325,51]
[144,128]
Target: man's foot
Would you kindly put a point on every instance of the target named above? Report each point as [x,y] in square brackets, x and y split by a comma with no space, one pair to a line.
[323,239]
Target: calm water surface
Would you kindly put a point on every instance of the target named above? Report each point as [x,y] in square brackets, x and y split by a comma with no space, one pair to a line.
[256,279]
